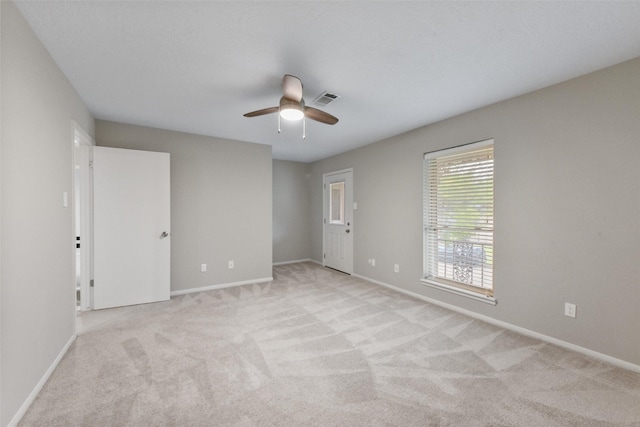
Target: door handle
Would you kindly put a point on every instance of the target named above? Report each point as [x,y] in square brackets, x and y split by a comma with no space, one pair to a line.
[347,231]
[164,234]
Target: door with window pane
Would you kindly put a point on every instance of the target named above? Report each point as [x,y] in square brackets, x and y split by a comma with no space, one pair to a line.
[338,221]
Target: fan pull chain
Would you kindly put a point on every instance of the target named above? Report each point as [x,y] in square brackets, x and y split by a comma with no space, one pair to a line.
[278,121]
[304,127]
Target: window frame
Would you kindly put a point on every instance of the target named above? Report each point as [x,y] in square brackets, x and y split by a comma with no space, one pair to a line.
[471,291]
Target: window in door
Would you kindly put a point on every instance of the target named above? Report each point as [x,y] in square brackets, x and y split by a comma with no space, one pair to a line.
[336,203]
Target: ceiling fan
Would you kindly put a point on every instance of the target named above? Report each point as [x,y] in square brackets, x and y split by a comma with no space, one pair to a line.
[292,106]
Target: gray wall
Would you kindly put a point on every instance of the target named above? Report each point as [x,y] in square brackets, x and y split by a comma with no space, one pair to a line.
[567,208]
[38,301]
[220,203]
[291,215]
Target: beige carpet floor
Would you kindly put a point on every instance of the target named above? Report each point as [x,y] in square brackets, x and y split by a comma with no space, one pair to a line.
[320,348]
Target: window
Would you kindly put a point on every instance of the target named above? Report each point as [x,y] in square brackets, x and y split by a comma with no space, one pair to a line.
[458,220]
[336,203]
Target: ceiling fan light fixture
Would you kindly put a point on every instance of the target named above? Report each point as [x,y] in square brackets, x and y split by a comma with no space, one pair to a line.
[291,110]
[291,113]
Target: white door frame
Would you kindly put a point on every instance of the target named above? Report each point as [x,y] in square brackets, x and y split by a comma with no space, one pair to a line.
[82,144]
[348,208]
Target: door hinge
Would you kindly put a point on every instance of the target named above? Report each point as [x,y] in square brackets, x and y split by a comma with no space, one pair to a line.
[324,255]
[91,283]
[324,186]
[324,220]
[90,163]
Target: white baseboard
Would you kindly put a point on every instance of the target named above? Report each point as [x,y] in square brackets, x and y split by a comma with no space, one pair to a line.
[221,286]
[34,393]
[291,262]
[527,332]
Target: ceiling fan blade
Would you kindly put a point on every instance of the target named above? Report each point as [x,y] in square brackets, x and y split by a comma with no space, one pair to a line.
[292,87]
[320,116]
[262,112]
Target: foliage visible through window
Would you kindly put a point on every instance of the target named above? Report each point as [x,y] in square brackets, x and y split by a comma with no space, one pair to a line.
[458,215]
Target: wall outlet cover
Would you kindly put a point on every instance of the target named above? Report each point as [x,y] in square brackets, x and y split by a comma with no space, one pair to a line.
[569,309]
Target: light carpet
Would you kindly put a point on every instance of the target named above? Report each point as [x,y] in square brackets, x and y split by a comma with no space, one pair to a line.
[319,348]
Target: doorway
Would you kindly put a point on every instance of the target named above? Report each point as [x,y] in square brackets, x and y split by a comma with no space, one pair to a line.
[338,220]
[82,202]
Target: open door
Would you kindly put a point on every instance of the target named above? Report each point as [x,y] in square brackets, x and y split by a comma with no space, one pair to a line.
[132,244]
[338,220]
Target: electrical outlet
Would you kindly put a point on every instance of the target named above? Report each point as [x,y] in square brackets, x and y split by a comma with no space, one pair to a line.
[203,268]
[231,265]
[569,309]
[373,262]
[396,268]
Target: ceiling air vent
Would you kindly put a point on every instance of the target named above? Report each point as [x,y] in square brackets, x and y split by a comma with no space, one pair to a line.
[325,98]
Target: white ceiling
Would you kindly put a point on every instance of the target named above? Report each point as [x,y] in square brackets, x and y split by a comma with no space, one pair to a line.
[199,66]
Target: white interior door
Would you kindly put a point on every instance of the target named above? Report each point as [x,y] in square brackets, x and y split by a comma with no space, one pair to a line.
[338,220]
[131,227]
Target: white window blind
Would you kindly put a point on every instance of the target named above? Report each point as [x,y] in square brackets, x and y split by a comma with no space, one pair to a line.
[458,217]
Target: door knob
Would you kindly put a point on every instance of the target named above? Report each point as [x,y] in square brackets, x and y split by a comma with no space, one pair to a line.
[164,234]
[347,231]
